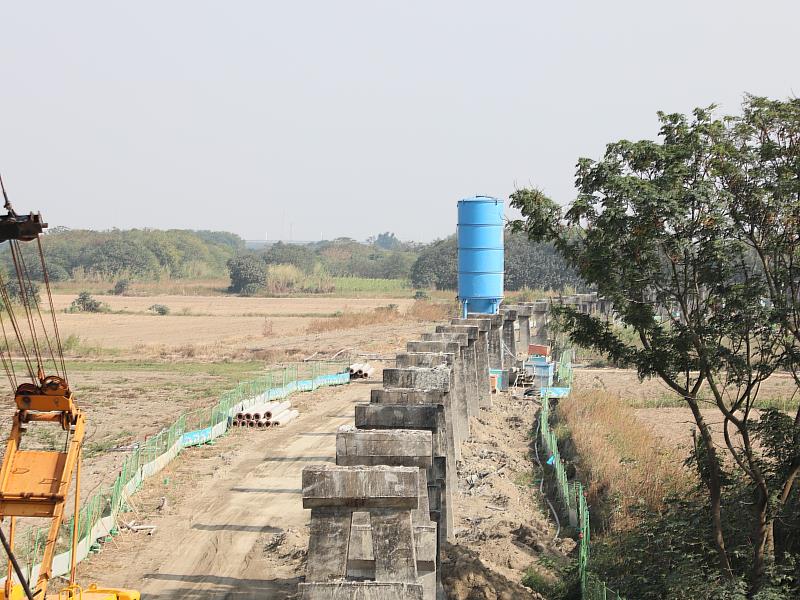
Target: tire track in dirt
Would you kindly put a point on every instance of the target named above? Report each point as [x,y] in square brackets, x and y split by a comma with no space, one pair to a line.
[212,544]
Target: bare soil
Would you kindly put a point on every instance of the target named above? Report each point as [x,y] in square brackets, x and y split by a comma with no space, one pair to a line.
[233,526]
[202,326]
[502,529]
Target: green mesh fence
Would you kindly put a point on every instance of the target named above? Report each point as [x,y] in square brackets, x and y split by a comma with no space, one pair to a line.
[191,428]
[570,493]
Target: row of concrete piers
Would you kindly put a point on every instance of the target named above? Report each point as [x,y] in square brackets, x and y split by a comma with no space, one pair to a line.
[379,517]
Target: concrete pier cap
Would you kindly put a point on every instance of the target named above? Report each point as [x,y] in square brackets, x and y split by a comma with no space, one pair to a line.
[424,378]
[522,310]
[423,359]
[481,324]
[392,447]
[406,396]
[470,330]
[396,416]
[379,487]
[496,320]
[462,339]
[360,590]
[447,347]
[509,314]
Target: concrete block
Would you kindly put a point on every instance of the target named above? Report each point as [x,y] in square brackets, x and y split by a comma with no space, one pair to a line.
[437,378]
[360,590]
[393,546]
[470,330]
[393,447]
[429,360]
[329,535]
[461,338]
[360,487]
[433,346]
[407,396]
[481,356]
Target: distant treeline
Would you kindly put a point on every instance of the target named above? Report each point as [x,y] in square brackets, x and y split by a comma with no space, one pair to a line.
[434,265]
[148,254]
[137,254]
[527,265]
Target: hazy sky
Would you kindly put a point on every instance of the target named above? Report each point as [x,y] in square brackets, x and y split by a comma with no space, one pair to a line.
[347,118]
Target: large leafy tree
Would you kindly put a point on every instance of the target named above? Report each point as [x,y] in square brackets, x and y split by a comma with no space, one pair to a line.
[248,274]
[683,236]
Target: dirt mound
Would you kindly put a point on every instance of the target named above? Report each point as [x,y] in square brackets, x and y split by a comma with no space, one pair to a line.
[465,577]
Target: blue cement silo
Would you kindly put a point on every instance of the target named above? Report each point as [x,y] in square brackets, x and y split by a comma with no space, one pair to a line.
[480,254]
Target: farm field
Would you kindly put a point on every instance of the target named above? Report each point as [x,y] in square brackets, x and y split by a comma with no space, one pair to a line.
[204,326]
[345,287]
[658,406]
[136,372]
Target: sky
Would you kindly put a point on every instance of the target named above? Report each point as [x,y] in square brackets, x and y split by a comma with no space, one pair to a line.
[307,120]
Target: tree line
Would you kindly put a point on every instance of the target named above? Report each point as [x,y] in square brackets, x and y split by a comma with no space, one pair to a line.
[149,254]
[139,254]
[435,265]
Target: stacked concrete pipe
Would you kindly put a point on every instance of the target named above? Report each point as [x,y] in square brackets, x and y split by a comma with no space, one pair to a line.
[266,414]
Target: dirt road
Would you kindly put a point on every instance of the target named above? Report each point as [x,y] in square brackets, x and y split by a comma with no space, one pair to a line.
[234,525]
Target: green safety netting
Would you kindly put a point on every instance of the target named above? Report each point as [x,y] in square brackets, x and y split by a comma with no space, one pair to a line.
[570,493]
[97,517]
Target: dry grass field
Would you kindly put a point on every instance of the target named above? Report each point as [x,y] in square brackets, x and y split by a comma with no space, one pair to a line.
[664,413]
[134,372]
[216,327]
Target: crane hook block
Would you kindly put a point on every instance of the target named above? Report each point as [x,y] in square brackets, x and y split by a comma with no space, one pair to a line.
[24,228]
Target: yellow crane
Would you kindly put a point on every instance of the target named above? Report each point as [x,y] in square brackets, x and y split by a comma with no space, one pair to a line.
[35,483]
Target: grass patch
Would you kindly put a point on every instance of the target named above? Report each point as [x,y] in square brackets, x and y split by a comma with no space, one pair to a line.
[420,310]
[94,448]
[625,465]
[356,285]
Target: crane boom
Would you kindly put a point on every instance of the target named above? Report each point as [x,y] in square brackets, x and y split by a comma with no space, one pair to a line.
[36,483]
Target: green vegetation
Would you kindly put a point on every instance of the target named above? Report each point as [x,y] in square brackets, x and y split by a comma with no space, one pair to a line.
[129,262]
[159,309]
[137,254]
[694,241]
[85,302]
[528,265]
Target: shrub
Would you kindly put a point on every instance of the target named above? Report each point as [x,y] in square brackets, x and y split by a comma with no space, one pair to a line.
[247,273]
[122,287]
[159,309]
[85,302]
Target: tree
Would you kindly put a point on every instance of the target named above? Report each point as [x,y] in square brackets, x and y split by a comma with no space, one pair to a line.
[536,265]
[120,255]
[658,229]
[248,274]
[388,241]
[85,302]
[437,265]
[298,255]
